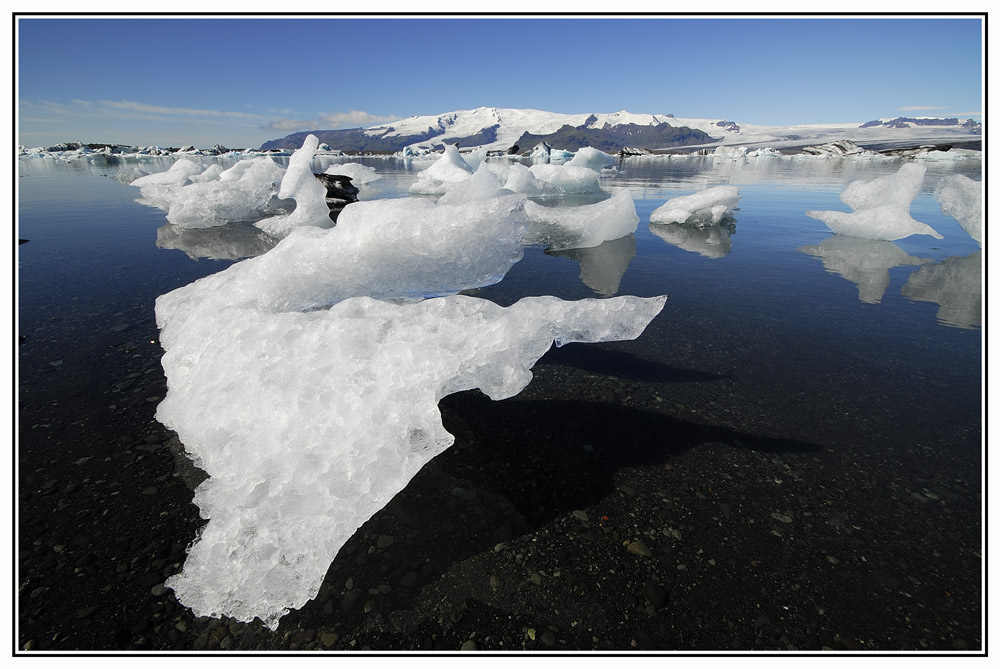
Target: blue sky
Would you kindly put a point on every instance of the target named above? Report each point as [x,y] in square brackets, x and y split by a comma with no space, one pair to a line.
[241,81]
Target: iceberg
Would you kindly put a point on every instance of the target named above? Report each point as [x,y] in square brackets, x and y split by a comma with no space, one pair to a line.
[300,184]
[881,207]
[448,169]
[591,159]
[309,423]
[706,207]
[863,262]
[358,174]
[962,199]
[568,179]
[584,226]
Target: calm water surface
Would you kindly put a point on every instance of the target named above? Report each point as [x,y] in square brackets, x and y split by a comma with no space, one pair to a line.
[871,352]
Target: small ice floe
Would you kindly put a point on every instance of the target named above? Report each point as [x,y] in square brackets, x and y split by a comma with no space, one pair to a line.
[706,207]
[881,207]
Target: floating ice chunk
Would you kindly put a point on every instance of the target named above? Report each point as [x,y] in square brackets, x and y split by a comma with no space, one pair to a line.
[178,174]
[591,158]
[863,262]
[482,185]
[881,207]
[476,158]
[519,179]
[394,248]
[581,227]
[602,266]
[567,178]
[706,207]
[956,284]
[309,423]
[448,169]
[301,185]
[214,196]
[962,199]
[359,174]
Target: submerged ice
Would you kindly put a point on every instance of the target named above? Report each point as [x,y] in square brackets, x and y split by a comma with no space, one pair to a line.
[880,207]
[305,381]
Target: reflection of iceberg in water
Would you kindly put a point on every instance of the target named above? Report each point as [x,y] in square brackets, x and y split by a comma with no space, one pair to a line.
[225,242]
[956,284]
[711,241]
[863,262]
[602,267]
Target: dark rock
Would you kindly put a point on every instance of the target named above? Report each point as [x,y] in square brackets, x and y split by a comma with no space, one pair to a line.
[340,192]
[654,594]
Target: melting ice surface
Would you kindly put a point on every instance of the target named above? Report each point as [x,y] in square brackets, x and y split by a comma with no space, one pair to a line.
[961,198]
[880,207]
[305,381]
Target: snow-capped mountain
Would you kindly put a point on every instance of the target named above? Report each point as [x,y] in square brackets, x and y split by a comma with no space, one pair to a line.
[500,129]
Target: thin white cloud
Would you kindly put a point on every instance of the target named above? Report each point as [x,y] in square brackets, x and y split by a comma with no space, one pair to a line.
[348,119]
[913,108]
[127,109]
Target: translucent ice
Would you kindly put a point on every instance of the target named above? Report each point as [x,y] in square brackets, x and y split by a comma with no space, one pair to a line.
[448,169]
[358,173]
[591,158]
[309,423]
[962,199]
[568,179]
[394,248]
[583,226]
[706,207]
[881,207]
[301,185]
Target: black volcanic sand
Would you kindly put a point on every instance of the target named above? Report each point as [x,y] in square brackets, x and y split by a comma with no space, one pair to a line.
[616,504]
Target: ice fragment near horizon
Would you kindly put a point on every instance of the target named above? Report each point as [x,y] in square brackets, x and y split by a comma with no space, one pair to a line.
[582,226]
[881,207]
[201,198]
[706,207]
[301,185]
[450,168]
[591,158]
[359,174]
[962,199]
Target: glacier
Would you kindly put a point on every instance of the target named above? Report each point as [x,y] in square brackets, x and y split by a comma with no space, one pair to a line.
[880,207]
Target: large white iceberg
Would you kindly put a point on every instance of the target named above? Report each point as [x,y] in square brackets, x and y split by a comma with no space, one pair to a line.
[309,423]
[962,199]
[706,207]
[880,207]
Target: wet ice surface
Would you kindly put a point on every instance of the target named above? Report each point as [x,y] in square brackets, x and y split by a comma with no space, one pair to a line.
[763,338]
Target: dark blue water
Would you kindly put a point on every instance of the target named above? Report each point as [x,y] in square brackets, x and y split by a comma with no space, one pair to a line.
[882,382]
